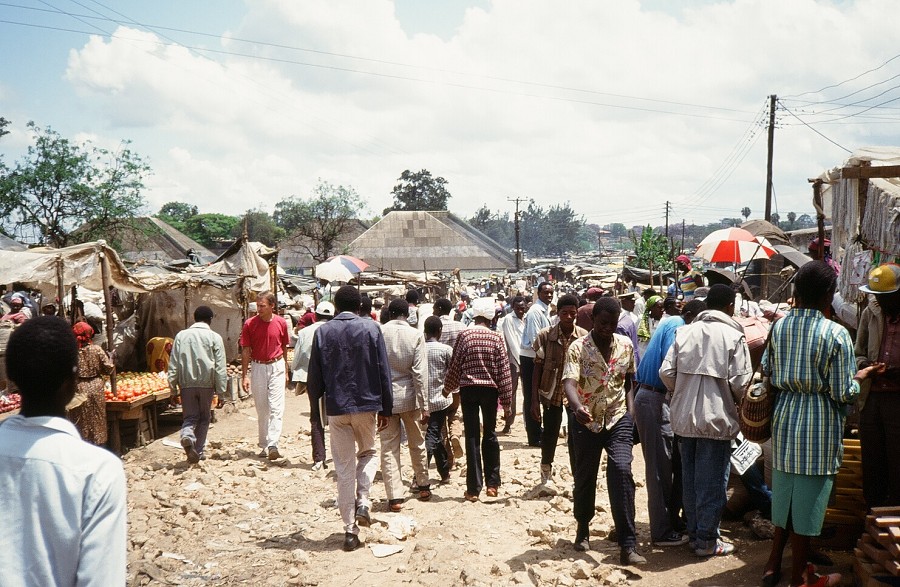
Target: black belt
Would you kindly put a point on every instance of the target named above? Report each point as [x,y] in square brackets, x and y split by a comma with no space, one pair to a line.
[656,389]
[275,360]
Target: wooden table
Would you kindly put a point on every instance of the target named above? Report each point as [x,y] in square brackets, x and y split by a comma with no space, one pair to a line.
[132,410]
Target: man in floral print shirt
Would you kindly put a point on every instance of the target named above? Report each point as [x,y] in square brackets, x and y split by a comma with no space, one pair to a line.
[597,378]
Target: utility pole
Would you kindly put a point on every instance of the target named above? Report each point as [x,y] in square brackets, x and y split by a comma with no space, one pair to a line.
[772,99]
[667,219]
[518,245]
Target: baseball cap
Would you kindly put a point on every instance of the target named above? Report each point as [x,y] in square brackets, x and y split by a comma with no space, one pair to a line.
[593,293]
[884,279]
[325,309]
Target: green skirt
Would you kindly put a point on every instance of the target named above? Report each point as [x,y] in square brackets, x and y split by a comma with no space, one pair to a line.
[803,498]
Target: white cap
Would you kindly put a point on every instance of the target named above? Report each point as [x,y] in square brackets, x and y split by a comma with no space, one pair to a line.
[484,307]
[325,309]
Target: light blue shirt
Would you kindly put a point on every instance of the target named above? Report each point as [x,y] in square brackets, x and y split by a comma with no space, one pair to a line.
[536,319]
[62,507]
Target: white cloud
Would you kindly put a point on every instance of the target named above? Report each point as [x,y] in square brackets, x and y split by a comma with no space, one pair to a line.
[227,132]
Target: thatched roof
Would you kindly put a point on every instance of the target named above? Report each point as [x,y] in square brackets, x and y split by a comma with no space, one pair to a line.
[437,241]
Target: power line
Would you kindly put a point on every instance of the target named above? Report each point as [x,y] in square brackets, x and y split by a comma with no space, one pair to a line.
[815,130]
[854,78]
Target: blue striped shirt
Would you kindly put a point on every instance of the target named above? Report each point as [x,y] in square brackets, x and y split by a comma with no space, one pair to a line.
[812,365]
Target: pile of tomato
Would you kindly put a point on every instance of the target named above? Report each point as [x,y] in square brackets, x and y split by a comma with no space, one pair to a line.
[131,385]
[10,402]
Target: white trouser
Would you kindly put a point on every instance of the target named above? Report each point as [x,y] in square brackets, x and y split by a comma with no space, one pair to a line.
[353,453]
[267,385]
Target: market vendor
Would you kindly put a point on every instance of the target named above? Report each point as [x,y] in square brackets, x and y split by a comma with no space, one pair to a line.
[17,312]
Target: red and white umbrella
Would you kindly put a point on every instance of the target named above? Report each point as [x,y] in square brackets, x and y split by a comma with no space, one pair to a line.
[352,264]
[735,246]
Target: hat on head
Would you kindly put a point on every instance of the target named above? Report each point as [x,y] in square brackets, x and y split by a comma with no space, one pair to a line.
[484,307]
[378,302]
[814,244]
[701,292]
[325,309]
[884,279]
[593,293]
[653,301]
[683,259]
[632,295]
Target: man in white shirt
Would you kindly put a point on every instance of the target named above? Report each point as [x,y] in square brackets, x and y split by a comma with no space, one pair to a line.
[62,500]
[536,319]
[511,327]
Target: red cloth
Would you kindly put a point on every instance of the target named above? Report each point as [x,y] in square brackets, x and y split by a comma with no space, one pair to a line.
[265,339]
[480,359]
[889,354]
[306,320]
[84,334]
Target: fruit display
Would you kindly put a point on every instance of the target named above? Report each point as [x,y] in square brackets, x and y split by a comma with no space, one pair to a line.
[131,385]
[10,402]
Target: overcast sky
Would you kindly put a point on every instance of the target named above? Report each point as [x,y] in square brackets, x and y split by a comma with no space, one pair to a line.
[614,106]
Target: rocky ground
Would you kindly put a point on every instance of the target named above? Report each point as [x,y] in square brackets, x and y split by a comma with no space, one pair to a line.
[237,519]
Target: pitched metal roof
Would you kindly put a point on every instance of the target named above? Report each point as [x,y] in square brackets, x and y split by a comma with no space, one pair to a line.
[435,240]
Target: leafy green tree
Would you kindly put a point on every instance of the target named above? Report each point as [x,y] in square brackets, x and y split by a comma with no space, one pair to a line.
[495,225]
[419,191]
[616,230]
[321,223]
[177,214]
[650,248]
[60,186]
[260,227]
[552,232]
[792,217]
[776,219]
[211,230]
[745,212]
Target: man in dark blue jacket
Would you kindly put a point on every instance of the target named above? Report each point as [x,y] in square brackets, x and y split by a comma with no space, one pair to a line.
[349,367]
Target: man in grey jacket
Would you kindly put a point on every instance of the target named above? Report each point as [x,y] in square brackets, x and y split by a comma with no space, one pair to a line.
[707,369]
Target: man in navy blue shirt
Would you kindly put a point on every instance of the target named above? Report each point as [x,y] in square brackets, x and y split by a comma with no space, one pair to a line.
[349,366]
[651,415]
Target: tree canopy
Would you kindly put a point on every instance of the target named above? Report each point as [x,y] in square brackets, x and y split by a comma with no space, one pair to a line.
[59,186]
[177,214]
[322,223]
[260,227]
[211,230]
[419,191]
[650,249]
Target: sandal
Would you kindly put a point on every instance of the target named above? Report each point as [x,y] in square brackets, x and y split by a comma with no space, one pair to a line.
[491,492]
[424,494]
[813,580]
[395,505]
[771,579]
[469,497]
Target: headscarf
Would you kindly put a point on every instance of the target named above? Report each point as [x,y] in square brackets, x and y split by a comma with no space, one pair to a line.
[644,326]
[684,259]
[84,334]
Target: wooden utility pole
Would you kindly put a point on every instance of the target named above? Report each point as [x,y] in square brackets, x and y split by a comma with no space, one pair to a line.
[518,244]
[667,219]
[772,99]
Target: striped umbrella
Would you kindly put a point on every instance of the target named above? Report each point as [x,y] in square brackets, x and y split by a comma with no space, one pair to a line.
[735,246]
[352,264]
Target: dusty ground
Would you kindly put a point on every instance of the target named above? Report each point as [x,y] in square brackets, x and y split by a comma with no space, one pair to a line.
[236,519]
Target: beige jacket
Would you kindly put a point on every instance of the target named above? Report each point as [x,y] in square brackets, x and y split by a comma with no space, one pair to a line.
[868,343]
[707,368]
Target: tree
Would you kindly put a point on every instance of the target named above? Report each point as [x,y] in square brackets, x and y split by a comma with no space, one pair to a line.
[211,230]
[554,231]
[260,227]
[177,214]
[774,218]
[60,186]
[419,191]
[495,225]
[745,212]
[792,217]
[322,223]
[616,230]
[650,249]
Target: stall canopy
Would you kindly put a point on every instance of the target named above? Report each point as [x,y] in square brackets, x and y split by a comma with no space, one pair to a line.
[47,269]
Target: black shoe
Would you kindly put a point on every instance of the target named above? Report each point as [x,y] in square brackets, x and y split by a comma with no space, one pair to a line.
[362,516]
[193,457]
[273,454]
[771,579]
[582,543]
[630,557]
[351,541]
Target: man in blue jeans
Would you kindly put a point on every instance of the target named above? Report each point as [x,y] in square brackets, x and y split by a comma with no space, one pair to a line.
[707,369]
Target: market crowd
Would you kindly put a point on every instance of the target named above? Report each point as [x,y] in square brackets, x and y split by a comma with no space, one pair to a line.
[665,369]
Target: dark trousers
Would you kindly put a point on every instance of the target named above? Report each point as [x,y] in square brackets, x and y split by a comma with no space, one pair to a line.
[549,436]
[587,447]
[879,436]
[479,410]
[316,430]
[195,411]
[532,426]
[434,444]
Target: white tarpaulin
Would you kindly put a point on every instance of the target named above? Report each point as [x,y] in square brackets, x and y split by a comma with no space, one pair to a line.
[76,265]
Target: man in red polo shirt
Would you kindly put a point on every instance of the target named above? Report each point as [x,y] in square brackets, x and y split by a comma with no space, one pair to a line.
[264,340]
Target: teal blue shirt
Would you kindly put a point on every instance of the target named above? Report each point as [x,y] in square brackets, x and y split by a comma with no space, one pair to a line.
[812,365]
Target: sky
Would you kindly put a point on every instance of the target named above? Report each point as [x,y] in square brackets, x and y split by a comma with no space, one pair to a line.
[613,106]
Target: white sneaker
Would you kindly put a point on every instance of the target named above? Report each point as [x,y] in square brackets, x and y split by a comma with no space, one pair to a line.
[318,466]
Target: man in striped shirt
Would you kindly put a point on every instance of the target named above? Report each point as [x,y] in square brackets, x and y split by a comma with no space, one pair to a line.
[480,370]
[439,404]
